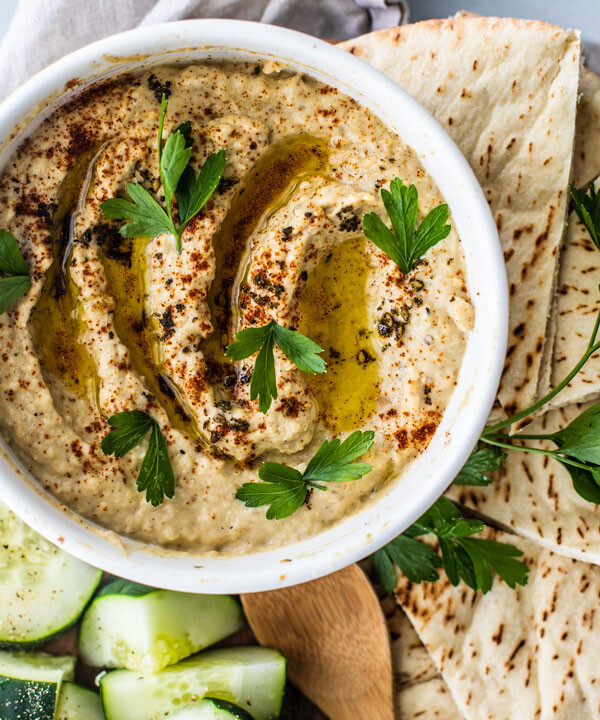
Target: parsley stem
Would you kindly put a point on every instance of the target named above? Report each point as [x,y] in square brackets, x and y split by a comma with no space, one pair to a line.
[539,451]
[161,124]
[315,485]
[595,331]
[591,349]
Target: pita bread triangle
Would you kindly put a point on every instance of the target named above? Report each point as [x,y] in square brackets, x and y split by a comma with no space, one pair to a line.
[577,298]
[506,91]
[533,495]
[430,700]
[515,654]
[420,690]
[577,306]
[586,156]
[575,303]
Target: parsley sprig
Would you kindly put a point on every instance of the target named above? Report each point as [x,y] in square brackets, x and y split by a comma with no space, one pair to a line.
[405,243]
[145,216]
[285,489]
[463,557]
[155,475]
[302,351]
[12,263]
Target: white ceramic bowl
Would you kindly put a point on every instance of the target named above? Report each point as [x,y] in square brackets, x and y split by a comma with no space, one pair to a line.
[426,478]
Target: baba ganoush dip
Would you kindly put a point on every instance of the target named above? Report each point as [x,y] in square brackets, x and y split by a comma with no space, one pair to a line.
[113,324]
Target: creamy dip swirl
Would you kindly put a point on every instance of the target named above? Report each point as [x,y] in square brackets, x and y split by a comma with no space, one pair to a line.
[113,324]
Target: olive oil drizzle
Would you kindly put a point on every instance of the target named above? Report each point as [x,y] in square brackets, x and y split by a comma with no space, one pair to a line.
[333,311]
[270,183]
[269,186]
[125,268]
[55,324]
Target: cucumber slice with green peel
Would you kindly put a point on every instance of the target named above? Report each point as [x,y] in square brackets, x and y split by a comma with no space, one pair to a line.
[211,709]
[144,629]
[78,703]
[43,591]
[30,684]
[251,677]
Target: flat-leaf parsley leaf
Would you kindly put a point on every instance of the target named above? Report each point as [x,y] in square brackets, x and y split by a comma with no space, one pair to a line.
[302,351]
[285,489]
[481,462]
[405,243]
[145,215]
[155,475]
[12,263]
[462,556]
[587,206]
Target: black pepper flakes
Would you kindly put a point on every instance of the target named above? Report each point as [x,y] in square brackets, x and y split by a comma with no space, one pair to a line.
[238,425]
[363,357]
[43,211]
[349,221]
[245,375]
[260,299]
[225,184]
[167,322]
[159,89]
[385,325]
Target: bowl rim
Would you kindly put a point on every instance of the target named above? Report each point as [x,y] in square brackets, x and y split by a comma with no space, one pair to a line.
[380,521]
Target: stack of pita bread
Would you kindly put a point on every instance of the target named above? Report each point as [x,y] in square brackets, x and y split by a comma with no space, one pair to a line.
[514,96]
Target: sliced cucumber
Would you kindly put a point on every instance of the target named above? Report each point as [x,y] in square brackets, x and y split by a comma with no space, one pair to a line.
[211,709]
[250,677]
[78,703]
[140,628]
[30,684]
[43,591]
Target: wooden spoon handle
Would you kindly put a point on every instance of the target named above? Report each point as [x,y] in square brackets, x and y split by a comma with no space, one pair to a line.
[372,705]
[334,635]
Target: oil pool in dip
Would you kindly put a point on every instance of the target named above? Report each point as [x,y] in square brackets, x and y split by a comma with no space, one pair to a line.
[114,324]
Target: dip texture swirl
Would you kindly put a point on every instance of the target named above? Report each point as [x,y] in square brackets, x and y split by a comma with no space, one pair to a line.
[113,324]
